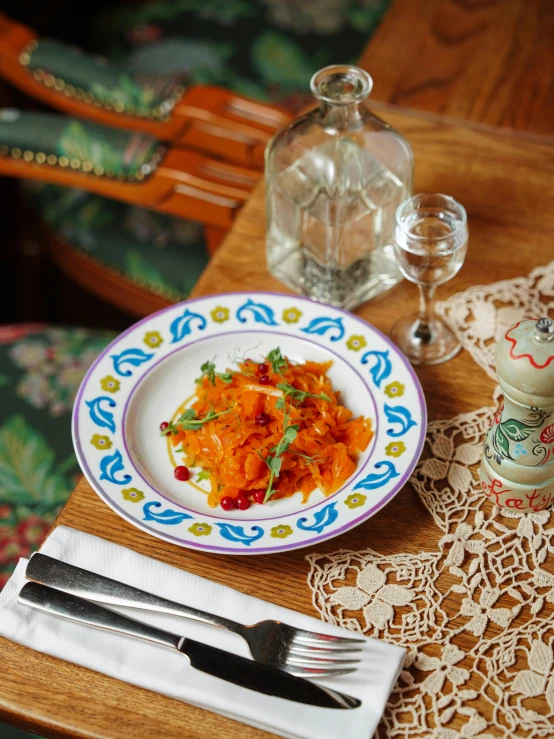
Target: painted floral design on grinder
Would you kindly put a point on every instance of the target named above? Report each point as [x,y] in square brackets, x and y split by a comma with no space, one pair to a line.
[517,468]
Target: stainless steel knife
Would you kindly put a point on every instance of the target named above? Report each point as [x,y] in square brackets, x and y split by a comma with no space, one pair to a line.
[217,662]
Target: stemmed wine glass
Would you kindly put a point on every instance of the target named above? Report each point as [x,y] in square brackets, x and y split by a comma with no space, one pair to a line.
[430,244]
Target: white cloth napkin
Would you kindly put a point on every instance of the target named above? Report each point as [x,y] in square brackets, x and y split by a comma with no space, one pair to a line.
[165,671]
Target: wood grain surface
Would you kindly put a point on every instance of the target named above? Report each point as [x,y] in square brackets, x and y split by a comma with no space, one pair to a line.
[490,61]
[184,184]
[505,183]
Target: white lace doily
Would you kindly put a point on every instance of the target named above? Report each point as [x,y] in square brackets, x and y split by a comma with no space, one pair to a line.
[477,614]
[481,315]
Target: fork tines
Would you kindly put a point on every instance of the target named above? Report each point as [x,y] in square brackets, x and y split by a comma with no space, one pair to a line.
[320,655]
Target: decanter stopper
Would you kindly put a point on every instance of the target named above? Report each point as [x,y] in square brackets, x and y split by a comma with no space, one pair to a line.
[517,466]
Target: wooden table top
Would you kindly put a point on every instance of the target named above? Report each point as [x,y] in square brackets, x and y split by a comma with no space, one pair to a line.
[504,180]
[488,61]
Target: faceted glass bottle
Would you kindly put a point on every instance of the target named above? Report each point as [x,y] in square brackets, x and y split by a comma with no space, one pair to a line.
[334,179]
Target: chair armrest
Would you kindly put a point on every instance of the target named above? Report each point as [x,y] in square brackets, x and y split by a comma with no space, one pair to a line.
[123,165]
[206,118]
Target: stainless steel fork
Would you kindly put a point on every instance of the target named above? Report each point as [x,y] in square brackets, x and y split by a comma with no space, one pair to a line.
[300,652]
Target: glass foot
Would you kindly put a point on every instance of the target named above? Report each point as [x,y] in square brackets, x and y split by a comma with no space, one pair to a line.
[432,345]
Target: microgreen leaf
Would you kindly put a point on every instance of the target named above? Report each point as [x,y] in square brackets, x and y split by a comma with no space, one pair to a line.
[291,433]
[208,370]
[202,475]
[274,465]
[277,361]
[299,395]
[189,422]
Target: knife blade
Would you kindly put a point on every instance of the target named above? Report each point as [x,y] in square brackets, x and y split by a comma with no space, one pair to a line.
[214,661]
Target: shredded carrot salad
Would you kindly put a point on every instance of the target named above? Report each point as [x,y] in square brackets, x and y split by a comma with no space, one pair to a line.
[269,430]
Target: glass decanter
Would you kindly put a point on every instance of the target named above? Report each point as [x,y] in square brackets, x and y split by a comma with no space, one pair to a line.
[334,180]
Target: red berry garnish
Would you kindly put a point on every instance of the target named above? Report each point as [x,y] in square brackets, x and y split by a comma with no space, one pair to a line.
[163,426]
[242,502]
[181,473]
[263,369]
[265,380]
[259,496]
[227,503]
[263,419]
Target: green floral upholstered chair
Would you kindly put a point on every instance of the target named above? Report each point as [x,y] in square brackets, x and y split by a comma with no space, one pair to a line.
[41,368]
[156,252]
[265,49]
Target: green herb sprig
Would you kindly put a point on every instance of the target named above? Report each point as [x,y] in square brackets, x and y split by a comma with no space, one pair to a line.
[208,370]
[188,421]
[274,458]
[278,363]
[298,395]
[290,430]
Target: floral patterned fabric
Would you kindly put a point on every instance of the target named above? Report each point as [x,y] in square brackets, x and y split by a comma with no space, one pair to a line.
[266,49]
[111,150]
[163,254]
[107,82]
[41,369]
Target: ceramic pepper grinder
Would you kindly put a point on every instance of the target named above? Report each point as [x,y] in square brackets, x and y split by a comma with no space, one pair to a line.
[517,467]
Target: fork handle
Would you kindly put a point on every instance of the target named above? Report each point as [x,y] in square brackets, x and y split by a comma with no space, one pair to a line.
[85,584]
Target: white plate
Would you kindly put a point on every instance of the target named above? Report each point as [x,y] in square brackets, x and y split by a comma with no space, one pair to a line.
[149,370]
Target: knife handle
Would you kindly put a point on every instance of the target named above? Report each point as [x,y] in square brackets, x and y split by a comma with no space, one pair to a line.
[52,601]
[90,585]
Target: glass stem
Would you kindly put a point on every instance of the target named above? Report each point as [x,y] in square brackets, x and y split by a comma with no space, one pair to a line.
[426,312]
